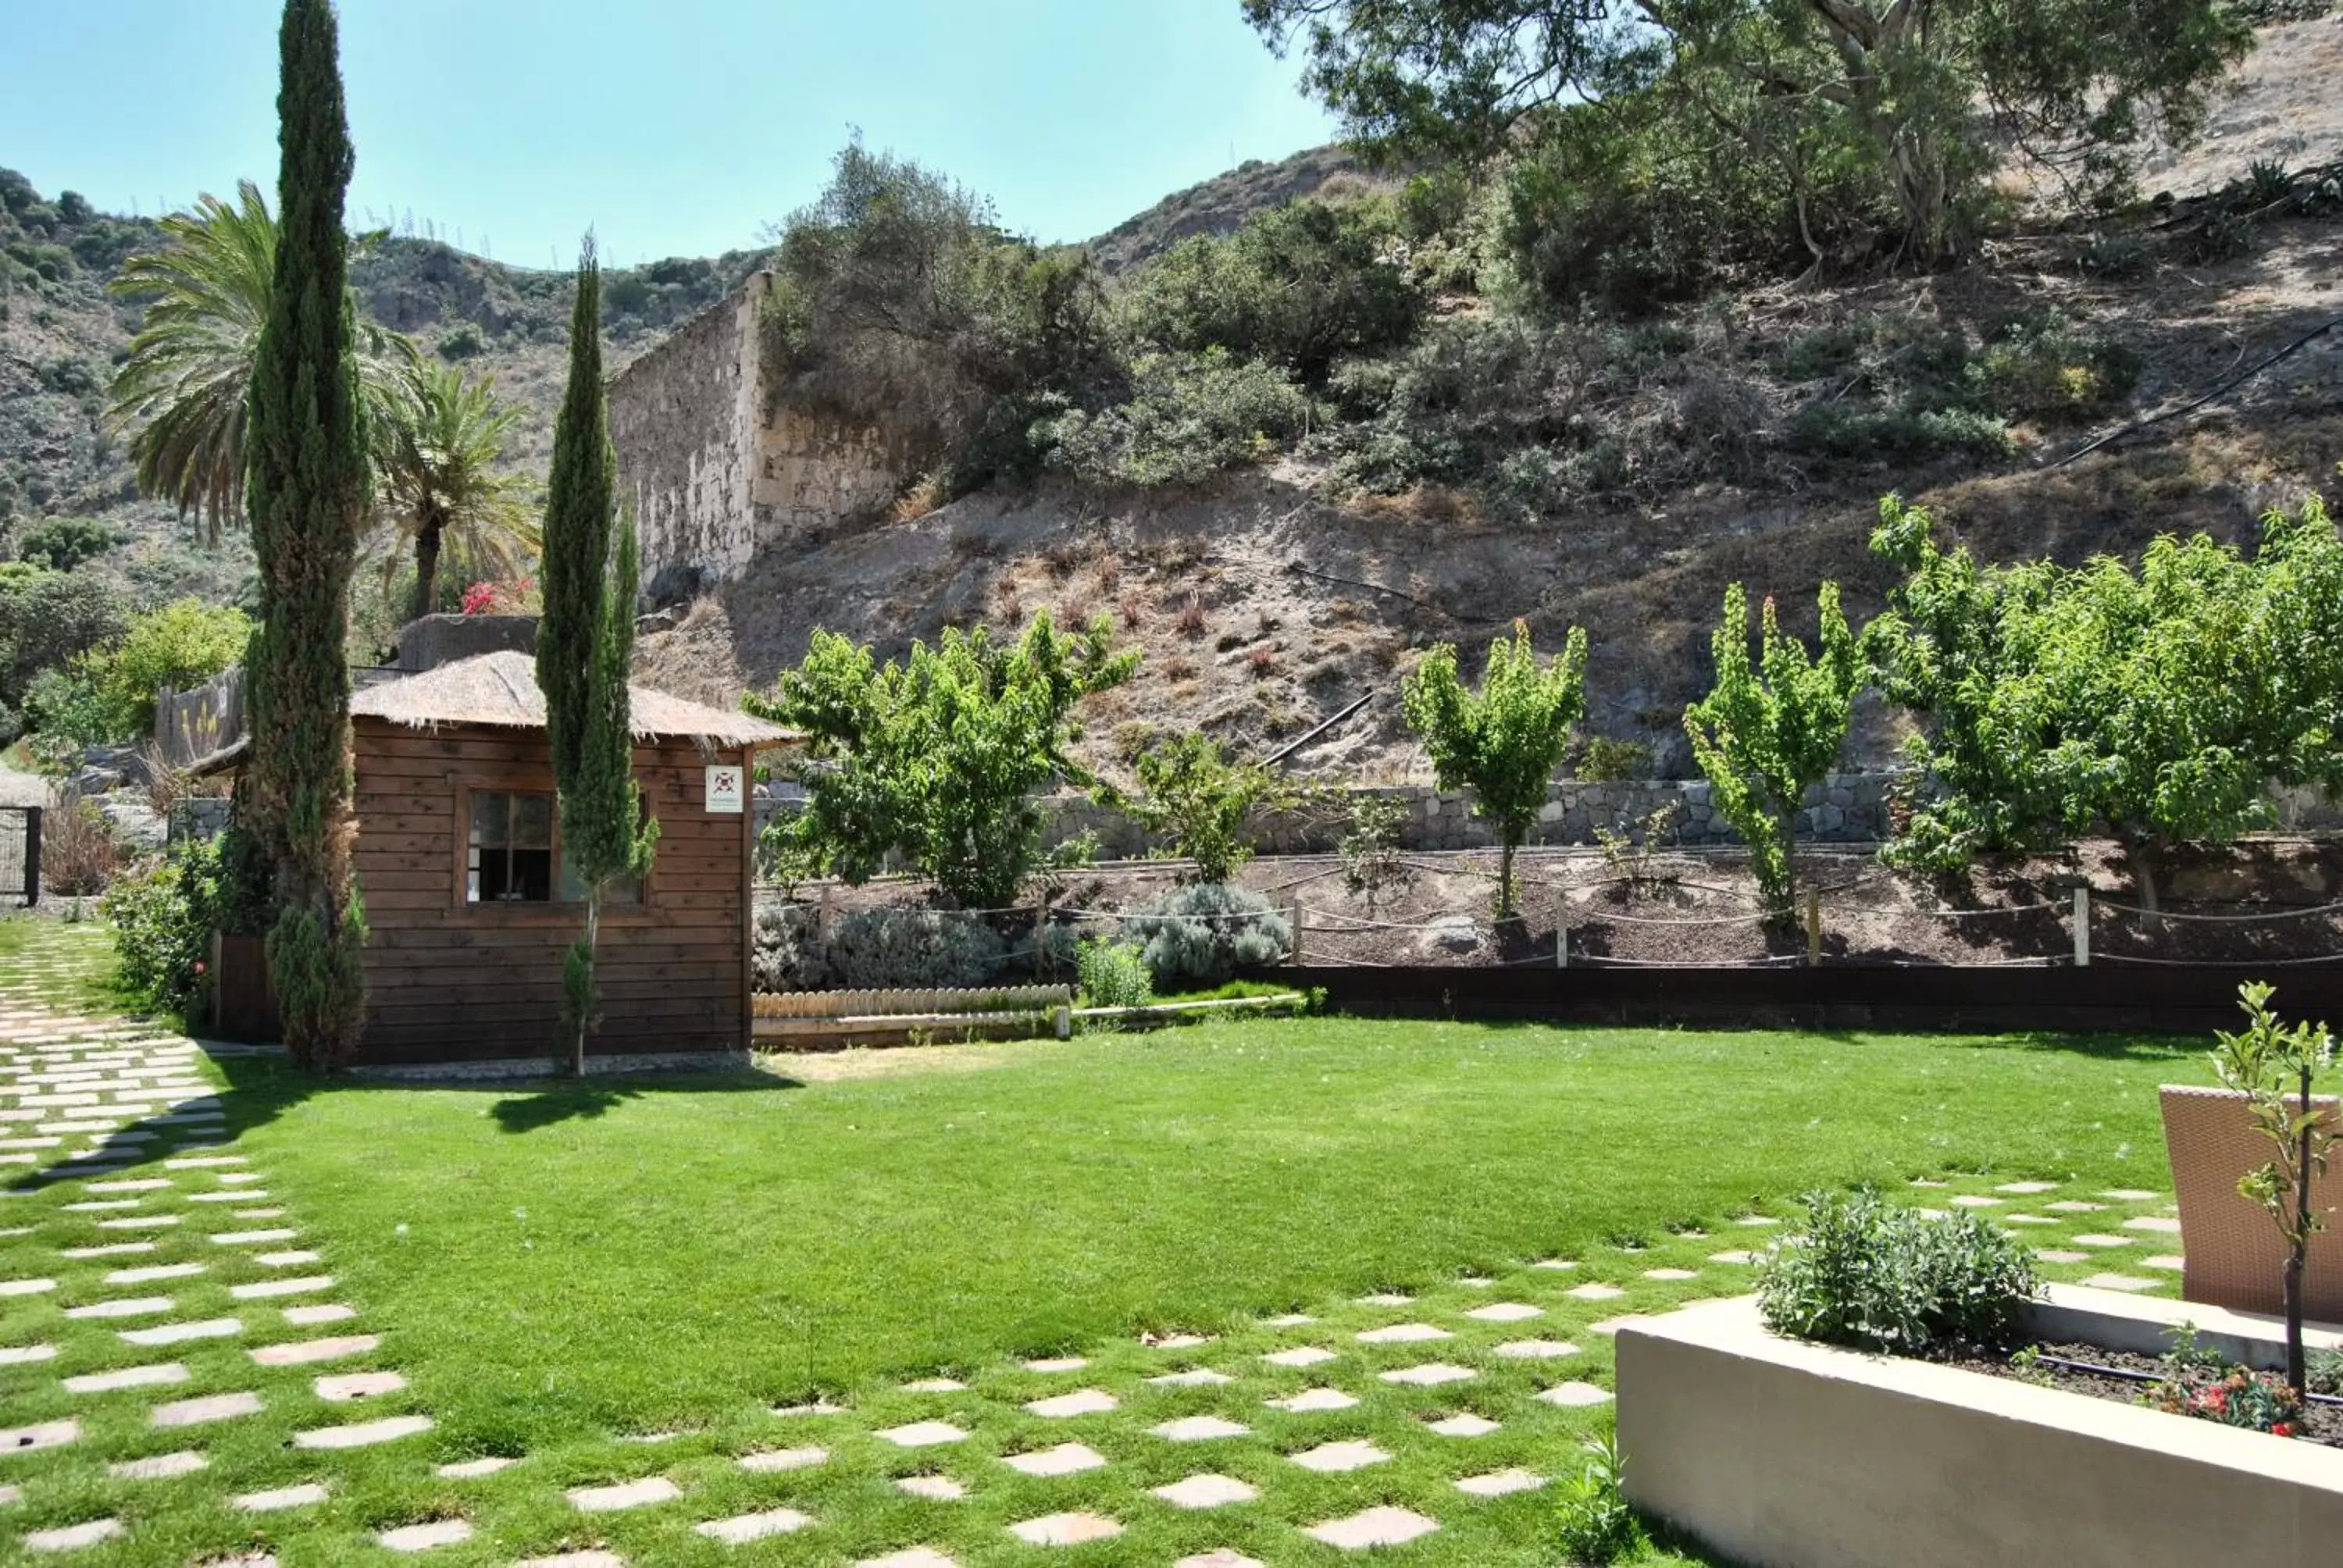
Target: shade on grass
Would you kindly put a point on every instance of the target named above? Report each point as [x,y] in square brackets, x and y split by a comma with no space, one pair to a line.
[576,1260]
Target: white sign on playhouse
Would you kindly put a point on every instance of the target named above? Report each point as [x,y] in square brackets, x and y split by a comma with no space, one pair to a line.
[726,791]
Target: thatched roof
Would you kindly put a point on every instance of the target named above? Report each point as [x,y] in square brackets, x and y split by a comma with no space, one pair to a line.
[500,689]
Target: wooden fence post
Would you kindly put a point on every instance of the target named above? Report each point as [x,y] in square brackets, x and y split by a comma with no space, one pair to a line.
[821,915]
[32,856]
[1560,930]
[1814,925]
[1295,955]
[2082,928]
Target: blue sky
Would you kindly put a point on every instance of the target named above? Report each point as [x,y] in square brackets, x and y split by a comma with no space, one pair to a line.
[674,127]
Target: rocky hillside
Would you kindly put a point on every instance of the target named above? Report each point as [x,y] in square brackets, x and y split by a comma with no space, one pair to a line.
[1272,600]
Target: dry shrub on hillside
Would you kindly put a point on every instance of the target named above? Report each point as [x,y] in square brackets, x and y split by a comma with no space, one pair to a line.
[79,853]
[1134,612]
[1189,621]
[925,494]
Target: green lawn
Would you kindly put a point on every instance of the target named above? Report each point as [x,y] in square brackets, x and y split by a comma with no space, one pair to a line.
[557,1269]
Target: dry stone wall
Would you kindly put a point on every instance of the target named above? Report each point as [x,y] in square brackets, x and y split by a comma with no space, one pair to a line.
[718,470]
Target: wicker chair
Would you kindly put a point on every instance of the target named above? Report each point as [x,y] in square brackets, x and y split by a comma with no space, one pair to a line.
[2233,1254]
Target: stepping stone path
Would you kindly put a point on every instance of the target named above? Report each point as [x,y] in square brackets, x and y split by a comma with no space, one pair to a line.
[623,1494]
[935,1488]
[1066,1459]
[775,1461]
[744,1528]
[129,1214]
[1207,1491]
[1065,1530]
[1384,1526]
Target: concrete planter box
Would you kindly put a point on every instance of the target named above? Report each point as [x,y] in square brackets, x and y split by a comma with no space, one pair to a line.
[1777,1453]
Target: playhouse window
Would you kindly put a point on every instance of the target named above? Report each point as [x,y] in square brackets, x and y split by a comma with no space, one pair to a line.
[509,860]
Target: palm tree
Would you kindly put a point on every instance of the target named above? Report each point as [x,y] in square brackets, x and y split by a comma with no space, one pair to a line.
[185,383]
[435,460]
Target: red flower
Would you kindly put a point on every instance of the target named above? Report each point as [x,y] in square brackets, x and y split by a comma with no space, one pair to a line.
[199,966]
[2282,1429]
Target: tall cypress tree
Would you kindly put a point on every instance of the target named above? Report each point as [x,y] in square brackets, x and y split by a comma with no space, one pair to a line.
[306,491]
[585,645]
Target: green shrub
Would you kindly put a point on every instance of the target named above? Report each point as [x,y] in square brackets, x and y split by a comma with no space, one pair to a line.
[1205,932]
[898,947]
[1609,762]
[65,710]
[61,544]
[788,954]
[1186,417]
[466,342]
[2051,370]
[1594,1522]
[163,915]
[1858,432]
[1878,1276]
[1113,974]
[184,643]
[1200,802]
[48,618]
[1300,286]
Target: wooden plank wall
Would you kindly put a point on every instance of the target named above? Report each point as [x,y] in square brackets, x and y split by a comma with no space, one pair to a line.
[452,982]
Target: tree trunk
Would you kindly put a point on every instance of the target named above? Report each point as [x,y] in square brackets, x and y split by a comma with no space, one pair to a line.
[2296,1371]
[428,539]
[1505,882]
[584,1002]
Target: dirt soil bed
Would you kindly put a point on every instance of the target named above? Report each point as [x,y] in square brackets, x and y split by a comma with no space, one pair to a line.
[2322,1423]
[2266,901]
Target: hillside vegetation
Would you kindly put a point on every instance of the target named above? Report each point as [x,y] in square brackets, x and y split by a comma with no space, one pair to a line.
[1295,425]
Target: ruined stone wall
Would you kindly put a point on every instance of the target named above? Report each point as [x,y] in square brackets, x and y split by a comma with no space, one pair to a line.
[718,470]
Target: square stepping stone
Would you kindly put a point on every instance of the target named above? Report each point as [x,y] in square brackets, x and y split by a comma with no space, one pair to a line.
[1555,1263]
[2059,1255]
[1199,1429]
[286,1260]
[774,1461]
[319,1313]
[1737,1258]
[1064,1406]
[2161,1224]
[343,1387]
[122,1307]
[1595,1291]
[155,1375]
[1174,1341]
[1289,1320]
[935,1488]
[473,1468]
[1464,1424]
[42,1435]
[1974,1200]
[1672,1275]
[75,1537]
[1066,1459]
[1537,1350]
[26,1287]
[1499,1483]
[1386,1299]
[174,1333]
[2119,1282]
[261,1290]
[2027,1219]
[301,1353]
[1336,1458]
[815,1407]
[111,1250]
[1506,1312]
[1065,1529]
[1609,1326]
[1194,1377]
[2098,1241]
[743,1528]
[1574,1396]
[1299,1356]
[1311,1401]
[1758,1220]
[1206,1491]
[1057,1364]
[254,1237]
[610,1499]
[2131,1195]
[139,1222]
[1431,1375]
[364,1433]
[594,1558]
[211,1407]
[300,1496]
[936,1385]
[428,1536]
[1383,1526]
[1403,1335]
[1218,1557]
[922,1434]
[21,1356]
[232,1196]
[2028,1189]
[911,1557]
[2074,1206]
[1925,1181]
[158,1467]
[1475,1281]
[2171,1262]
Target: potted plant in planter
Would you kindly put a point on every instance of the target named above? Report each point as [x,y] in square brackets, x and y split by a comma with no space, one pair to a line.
[2267,1061]
[2248,1165]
